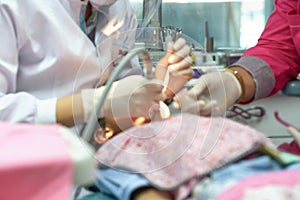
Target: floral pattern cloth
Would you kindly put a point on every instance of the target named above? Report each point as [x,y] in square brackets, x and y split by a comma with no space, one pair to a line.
[171,152]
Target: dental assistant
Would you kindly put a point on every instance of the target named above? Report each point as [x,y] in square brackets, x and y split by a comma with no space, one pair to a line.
[51,50]
[262,70]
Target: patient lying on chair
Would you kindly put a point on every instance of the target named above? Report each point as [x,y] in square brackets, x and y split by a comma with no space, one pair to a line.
[172,158]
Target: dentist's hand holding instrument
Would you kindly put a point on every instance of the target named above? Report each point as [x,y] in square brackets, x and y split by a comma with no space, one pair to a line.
[175,67]
[134,98]
[128,99]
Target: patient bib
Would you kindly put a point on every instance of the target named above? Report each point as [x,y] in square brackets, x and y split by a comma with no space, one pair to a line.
[171,152]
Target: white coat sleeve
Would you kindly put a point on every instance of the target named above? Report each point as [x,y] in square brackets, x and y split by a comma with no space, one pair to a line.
[17,106]
[23,107]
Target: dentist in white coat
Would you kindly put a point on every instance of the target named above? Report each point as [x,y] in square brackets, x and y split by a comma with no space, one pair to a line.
[53,52]
[46,55]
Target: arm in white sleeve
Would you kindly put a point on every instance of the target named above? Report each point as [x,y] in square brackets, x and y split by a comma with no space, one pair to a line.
[17,106]
[46,111]
[23,107]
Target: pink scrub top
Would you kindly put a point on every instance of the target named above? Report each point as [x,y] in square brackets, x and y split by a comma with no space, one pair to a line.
[278,48]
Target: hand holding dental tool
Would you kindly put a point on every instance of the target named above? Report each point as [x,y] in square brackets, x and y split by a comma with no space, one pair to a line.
[212,94]
[174,69]
[132,98]
[128,98]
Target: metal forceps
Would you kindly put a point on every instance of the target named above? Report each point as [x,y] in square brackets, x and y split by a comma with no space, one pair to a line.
[256,111]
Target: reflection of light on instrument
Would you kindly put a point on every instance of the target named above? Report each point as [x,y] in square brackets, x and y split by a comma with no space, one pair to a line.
[108,133]
[139,121]
[164,110]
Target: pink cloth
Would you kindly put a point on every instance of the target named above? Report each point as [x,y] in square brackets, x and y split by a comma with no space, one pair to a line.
[171,152]
[34,163]
[288,179]
[279,44]
[291,147]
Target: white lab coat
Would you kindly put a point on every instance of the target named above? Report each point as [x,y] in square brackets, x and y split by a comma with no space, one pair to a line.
[45,55]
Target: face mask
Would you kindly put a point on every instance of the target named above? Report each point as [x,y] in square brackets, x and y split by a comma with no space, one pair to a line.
[99,3]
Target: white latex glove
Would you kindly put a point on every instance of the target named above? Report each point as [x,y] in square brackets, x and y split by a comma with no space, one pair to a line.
[129,98]
[212,94]
[175,67]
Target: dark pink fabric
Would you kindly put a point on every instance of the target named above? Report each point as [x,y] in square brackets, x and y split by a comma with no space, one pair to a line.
[291,147]
[279,45]
[34,163]
[171,152]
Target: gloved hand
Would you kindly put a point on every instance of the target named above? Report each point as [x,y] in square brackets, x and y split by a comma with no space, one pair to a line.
[175,67]
[128,99]
[212,94]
